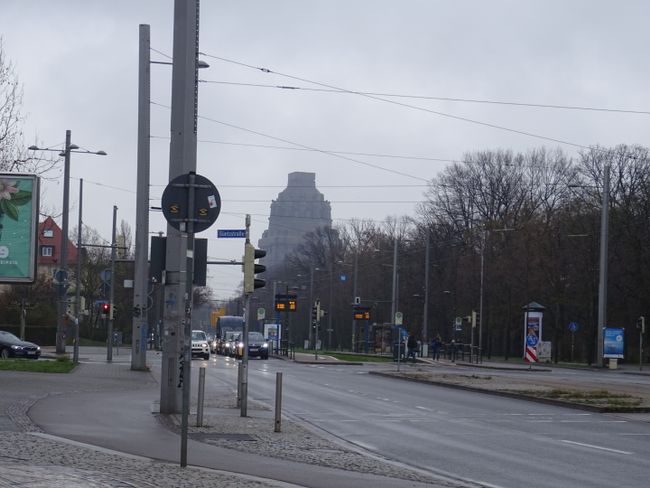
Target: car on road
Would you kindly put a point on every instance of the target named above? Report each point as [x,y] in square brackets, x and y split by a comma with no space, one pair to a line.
[200,346]
[12,347]
[226,344]
[257,346]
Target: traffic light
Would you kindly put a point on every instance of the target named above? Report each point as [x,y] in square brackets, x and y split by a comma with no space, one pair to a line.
[314,314]
[640,324]
[251,268]
[476,319]
[105,309]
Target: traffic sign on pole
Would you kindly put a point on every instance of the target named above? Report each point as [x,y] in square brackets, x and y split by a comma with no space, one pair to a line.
[231,233]
[205,207]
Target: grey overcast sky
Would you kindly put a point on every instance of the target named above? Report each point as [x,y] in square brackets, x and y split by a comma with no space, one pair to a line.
[77,61]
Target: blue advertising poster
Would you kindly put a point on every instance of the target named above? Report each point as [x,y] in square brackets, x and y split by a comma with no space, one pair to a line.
[614,343]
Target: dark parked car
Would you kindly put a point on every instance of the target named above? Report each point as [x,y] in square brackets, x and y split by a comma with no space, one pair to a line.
[12,347]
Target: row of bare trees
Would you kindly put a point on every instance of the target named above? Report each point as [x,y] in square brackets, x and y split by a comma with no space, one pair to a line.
[535,218]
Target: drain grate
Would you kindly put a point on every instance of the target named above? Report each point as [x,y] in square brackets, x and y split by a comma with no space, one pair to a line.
[222,437]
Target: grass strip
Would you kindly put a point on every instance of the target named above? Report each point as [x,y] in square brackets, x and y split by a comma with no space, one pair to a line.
[59,365]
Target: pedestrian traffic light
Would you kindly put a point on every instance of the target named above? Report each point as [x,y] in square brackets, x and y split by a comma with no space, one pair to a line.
[105,309]
[251,268]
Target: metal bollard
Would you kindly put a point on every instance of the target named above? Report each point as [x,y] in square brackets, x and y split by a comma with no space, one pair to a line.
[239,372]
[278,402]
[199,407]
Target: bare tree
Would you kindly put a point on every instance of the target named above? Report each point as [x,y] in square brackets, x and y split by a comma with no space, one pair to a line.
[14,156]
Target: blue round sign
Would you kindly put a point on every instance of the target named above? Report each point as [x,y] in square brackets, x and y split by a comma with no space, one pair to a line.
[531,340]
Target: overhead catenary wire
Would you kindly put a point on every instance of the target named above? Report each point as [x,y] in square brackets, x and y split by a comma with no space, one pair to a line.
[402,104]
[352,153]
[286,141]
[436,98]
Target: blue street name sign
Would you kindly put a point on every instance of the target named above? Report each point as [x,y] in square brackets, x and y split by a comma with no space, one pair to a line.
[231,233]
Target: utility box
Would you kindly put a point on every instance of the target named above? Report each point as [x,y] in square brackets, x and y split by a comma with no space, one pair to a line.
[544,351]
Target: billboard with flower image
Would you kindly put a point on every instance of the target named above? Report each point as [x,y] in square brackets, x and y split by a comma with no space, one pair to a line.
[18,227]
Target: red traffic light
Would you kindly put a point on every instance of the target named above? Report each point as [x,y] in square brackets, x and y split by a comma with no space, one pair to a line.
[106,307]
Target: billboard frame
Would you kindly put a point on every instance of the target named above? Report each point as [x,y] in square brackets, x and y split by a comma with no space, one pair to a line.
[29,276]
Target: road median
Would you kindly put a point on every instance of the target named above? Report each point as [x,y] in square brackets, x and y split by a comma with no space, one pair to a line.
[550,391]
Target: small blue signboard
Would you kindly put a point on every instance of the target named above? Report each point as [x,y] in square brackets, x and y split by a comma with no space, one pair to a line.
[231,233]
[614,341]
[344,277]
[532,340]
[573,326]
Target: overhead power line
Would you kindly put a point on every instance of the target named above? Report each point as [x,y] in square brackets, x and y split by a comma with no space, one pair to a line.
[286,141]
[289,148]
[436,98]
[402,104]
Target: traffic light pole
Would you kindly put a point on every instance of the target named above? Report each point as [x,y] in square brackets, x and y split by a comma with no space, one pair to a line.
[243,388]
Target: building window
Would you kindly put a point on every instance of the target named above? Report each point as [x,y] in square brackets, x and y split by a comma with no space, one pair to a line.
[47,250]
[48,233]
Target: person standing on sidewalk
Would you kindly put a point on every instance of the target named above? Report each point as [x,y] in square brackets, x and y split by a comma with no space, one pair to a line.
[435,347]
[412,345]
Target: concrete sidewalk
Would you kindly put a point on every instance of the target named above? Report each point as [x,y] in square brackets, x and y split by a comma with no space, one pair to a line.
[95,427]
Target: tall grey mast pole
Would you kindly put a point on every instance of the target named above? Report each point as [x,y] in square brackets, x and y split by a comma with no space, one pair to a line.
[77,301]
[111,300]
[602,284]
[140,285]
[182,160]
[63,263]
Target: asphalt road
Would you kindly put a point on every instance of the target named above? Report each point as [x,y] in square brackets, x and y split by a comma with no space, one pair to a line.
[494,440]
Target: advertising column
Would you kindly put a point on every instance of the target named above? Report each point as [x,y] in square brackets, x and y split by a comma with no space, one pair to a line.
[533,321]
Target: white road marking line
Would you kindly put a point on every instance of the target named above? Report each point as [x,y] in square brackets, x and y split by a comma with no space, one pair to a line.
[600,448]
[424,408]
[635,434]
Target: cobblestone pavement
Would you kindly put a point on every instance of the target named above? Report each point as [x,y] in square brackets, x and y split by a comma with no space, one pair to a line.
[296,442]
[38,461]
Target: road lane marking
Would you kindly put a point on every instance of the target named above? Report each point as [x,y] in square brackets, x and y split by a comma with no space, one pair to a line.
[424,408]
[600,448]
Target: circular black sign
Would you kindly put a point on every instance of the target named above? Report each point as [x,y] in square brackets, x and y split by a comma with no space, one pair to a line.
[176,203]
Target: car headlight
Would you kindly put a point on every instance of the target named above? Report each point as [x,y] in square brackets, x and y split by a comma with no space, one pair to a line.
[17,348]
[265,345]
[204,344]
[241,344]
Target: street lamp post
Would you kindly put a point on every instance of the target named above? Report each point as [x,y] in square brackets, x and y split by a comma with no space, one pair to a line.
[602,278]
[63,262]
[602,282]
